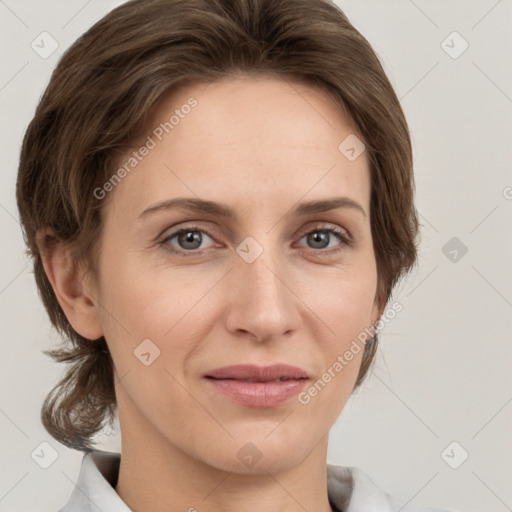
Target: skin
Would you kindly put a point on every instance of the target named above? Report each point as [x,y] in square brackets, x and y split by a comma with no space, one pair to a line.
[260,145]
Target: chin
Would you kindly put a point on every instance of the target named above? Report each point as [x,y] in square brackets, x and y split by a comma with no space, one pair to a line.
[257,455]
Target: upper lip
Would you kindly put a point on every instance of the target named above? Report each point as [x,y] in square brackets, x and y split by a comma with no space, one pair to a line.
[258,373]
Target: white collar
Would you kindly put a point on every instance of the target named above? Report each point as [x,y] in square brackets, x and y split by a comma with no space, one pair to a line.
[349,488]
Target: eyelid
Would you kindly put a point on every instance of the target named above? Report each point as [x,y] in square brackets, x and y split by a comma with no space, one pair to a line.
[164,238]
[322,225]
[341,233]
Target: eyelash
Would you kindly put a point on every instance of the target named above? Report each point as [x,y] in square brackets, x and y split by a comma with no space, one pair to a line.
[345,240]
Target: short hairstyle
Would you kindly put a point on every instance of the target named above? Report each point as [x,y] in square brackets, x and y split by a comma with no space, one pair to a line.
[98,101]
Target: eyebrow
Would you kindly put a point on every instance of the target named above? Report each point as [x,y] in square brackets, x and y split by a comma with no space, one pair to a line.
[223,210]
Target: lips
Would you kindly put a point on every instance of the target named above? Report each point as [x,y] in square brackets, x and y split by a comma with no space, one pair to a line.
[256,386]
[252,373]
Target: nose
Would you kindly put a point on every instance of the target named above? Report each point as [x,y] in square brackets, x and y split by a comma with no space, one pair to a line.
[263,301]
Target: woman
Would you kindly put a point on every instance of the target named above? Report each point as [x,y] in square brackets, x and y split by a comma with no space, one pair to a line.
[218,197]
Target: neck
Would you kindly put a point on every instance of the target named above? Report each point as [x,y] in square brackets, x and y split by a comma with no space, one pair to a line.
[157,475]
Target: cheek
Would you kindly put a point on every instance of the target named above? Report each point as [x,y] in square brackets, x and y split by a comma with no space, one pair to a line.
[157,306]
[343,297]
[344,304]
[165,305]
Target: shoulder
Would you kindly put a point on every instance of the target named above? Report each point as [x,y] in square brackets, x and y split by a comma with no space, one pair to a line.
[94,489]
[350,489]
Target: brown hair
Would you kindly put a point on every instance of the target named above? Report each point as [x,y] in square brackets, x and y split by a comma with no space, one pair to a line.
[100,97]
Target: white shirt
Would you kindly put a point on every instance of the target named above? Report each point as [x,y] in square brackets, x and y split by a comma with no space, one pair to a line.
[349,488]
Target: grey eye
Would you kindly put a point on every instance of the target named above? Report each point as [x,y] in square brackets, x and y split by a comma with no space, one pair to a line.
[319,239]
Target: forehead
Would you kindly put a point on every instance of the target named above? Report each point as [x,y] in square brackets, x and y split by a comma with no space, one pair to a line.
[254,108]
[266,137]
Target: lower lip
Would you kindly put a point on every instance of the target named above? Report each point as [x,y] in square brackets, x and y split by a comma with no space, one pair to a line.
[259,394]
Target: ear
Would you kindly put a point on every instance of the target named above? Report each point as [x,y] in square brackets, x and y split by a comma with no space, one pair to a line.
[378,308]
[74,293]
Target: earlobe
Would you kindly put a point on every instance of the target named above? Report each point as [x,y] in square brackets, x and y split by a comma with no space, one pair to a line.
[77,302]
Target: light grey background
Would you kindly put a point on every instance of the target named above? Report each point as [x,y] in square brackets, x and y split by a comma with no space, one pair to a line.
[443,373]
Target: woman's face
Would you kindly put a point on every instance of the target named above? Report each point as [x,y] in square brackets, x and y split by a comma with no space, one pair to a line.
[269,284]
